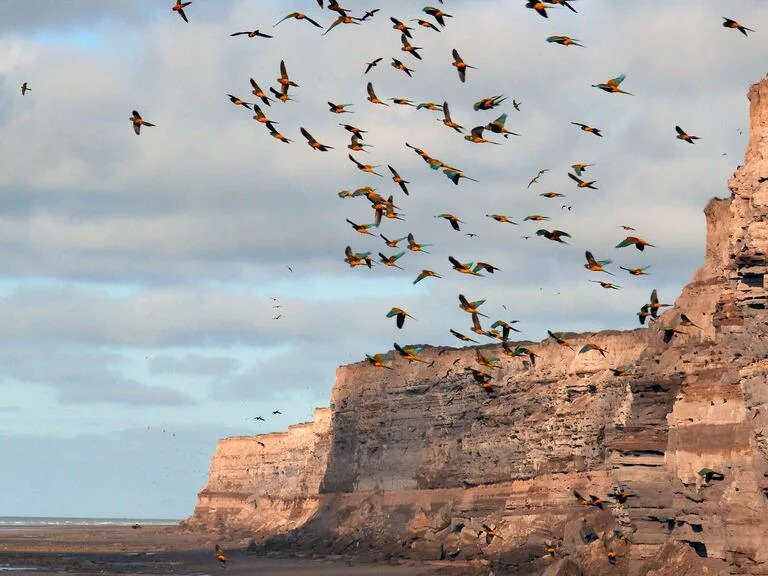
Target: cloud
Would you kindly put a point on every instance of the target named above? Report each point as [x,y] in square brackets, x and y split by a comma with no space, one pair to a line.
[193,365]
[138,271]
[84,377]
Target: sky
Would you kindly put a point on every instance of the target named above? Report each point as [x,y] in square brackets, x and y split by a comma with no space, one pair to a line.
[139,274]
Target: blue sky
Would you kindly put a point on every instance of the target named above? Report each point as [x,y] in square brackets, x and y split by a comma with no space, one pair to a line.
[137,273]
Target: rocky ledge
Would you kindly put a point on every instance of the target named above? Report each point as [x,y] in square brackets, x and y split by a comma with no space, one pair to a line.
[417,462]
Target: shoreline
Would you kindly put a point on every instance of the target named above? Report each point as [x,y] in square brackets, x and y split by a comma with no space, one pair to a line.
[99,549]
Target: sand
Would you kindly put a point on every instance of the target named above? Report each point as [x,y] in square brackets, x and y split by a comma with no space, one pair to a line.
[158,550]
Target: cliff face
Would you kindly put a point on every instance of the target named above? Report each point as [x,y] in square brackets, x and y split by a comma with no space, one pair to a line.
[417,459]
[268,483]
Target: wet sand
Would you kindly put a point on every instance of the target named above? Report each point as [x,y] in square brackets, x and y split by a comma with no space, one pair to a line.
[162,550]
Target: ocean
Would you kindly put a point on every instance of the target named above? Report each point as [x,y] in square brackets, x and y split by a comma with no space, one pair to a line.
[22,521]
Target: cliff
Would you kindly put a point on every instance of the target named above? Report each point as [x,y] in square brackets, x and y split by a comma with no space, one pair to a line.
[269,483]
[417,459]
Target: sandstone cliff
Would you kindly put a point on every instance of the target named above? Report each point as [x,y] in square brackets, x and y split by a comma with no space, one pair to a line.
[414,461]
[269,483]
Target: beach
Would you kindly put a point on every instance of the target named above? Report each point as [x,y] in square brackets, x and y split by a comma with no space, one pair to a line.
[151,550]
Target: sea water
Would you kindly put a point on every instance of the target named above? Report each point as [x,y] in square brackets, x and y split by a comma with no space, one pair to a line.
[26,521]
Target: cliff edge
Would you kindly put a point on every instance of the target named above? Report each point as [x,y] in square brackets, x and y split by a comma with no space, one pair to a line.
[421,462]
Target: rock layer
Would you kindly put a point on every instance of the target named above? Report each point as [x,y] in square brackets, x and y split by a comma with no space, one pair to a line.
[269,483]
[417,459]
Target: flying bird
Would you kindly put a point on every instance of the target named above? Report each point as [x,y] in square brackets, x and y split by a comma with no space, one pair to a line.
[452,219]
[607,285]
[377,360]
[414,246]
[460,65]
[179,8]
[655,305]
[410,353]
[342,19]
[138,122]
[408,47]
[357,258]
[314,144]
[471,307]
[560,341]
[612,85]
[592,346]
[284,80]
[461,336]
[298,16]
[339,108]
[681,135]
[25,89]
[391,260]
[643,314]
[565,41]
[217,550]
[582,183]
[425,24]
[685,321]
[501,218]
[398,25]
[637,271]
[464,268]
[639,243]
[579,169]
[259,93]
[361,228]
[456,175]
[476,136]
[259,116]
[239,102]
[397,179]
[488,103]
[596,265]
[554,235]
[506,327]
[275,134]
[736,26]
[355,131]
[437,14]
[586,128]
[448,121]
[252,34]
[497,127]
[535,179]
[669,333]
[398,65]
[400,316]
[426,274]
[540,7]
[368,168]
[392,243]
[429,106]
[490,268]
[372,95]
[371,64]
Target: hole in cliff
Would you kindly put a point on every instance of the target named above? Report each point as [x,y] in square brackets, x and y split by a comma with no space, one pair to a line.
[642,453]
[699,548]
[757,306]
[753,280]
